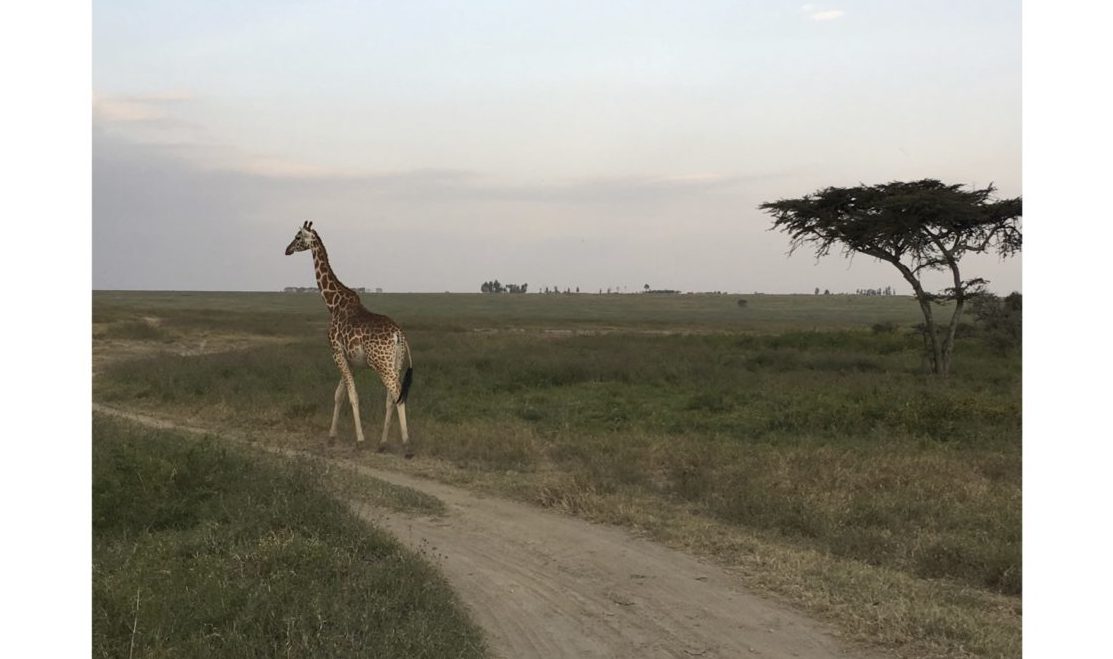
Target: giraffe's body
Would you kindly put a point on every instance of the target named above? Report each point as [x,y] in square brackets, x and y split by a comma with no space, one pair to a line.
[359,338]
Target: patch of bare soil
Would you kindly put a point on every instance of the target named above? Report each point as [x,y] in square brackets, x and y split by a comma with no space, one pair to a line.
[545,585]
[106,351]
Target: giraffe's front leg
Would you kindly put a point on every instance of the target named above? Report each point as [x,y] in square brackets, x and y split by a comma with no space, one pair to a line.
[350,384]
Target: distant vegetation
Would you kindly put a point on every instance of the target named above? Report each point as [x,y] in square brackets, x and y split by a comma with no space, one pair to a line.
[497,287]
[999,320]
[888,290]
[314,289]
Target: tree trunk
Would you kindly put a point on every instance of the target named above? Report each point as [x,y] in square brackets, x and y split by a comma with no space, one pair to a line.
[960,302]
[936,352]
[949,340]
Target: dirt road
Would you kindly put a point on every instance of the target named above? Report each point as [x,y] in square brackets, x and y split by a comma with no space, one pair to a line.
[546,585]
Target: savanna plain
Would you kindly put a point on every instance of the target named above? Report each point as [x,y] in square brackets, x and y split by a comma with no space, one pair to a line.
[796,440]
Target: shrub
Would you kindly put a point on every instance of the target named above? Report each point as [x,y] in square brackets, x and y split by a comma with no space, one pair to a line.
[999,320]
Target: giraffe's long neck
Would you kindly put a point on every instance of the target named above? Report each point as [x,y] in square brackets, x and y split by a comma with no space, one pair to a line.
[337,296]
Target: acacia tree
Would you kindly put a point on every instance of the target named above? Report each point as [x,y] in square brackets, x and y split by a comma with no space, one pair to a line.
[916,226]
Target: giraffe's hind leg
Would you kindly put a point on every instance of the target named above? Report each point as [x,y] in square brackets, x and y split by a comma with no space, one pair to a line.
[396,393]
[338,401]
[386,421]
[393,391]
[405,434]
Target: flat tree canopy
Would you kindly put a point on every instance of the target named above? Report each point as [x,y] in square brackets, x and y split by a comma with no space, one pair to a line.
[916,226]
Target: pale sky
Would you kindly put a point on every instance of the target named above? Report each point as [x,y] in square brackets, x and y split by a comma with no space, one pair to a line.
[439,145]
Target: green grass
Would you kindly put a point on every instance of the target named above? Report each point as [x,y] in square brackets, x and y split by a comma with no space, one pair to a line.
[137,330]
[799,426]
[350,485]
[203,550]
[297,314]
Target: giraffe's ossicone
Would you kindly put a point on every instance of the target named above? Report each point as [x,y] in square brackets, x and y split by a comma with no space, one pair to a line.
[359,338]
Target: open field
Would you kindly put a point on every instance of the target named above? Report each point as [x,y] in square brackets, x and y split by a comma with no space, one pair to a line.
[787,439]
[285,313]
[202,549]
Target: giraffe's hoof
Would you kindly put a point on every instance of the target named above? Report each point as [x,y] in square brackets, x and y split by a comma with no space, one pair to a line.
[409,455]
[361,446]
[381,448]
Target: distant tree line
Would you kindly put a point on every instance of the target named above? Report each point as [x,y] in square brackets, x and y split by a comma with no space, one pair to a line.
[888,290]
[554,290]
[661,291]
[498,287]
[313,289]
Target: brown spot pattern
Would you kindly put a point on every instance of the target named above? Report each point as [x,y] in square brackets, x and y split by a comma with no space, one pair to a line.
[357,336]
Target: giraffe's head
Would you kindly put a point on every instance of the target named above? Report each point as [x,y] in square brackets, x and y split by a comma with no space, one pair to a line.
[305,239]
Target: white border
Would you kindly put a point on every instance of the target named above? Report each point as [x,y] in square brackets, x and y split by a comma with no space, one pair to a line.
[45,208]
[1067,145]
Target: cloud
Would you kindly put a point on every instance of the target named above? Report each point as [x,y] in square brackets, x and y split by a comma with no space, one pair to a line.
[826,15]
[816,14]
[270,167]
[127,109]
[162,221]
[182,208]
[625,189]
[156,120]
[116,110]
[148,128]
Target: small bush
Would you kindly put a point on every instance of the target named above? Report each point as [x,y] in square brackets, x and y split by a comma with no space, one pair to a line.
[999,320]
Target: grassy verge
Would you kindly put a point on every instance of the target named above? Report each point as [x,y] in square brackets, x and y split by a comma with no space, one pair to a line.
[823,465]
[349,485]
[200,550]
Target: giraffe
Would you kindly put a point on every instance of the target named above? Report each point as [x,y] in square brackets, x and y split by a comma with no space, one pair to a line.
[358,337]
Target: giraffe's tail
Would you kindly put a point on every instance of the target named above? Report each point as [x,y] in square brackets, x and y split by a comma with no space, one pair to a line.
[407,380]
